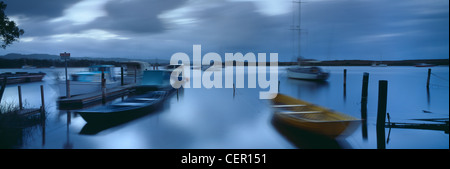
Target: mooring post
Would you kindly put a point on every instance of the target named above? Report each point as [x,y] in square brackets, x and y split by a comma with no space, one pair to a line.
[234,90]
[428,78]
[2,88]
[103,87]
[365,86]
[20,97]
[278,86]
[121,75]
[381,114]
[42,100]
[364,104]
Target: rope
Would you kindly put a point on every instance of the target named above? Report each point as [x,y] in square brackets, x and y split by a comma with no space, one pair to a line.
[439,77]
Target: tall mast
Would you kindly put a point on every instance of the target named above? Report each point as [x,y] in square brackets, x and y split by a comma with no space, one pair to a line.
[297,27]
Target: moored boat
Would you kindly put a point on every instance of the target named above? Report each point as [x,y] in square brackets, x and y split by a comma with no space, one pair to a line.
[90,81]
[424,65]
[307,73]
[22,77]
[128,109]
[312,118]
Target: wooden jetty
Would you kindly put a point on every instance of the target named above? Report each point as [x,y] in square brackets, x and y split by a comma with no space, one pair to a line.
[84,100]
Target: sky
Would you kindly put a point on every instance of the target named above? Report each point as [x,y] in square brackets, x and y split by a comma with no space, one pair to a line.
[157,29]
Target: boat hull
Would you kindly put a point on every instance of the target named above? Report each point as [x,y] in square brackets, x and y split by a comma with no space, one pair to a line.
[77,88]
[132,108]
[291,73]
[313,118]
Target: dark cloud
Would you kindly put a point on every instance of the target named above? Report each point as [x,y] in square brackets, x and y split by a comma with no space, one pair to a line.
[38,8]
[356,29]
[137,16]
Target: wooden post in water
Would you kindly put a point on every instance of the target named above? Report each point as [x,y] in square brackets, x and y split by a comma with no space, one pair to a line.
[42,100]
[428,78]
[365,86]
[2,88]
[121,75]
[234,90]
[20,97]
[278,86]
[364,104]
[381,114]
[345,78]
[103,87]
[345,84]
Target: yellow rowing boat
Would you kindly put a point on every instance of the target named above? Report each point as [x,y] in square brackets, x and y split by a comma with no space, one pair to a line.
[312,118]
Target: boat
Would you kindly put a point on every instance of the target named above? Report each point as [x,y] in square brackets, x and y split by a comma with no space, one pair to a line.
[313,73]
[305,72]
[133,70]
[22,77]
[424,65]
[375,64]
[131,108]
[312,118]
[90,81]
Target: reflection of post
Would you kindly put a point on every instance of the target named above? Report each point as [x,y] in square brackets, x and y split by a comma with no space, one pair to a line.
[68,145]
[19,90]
[381,115]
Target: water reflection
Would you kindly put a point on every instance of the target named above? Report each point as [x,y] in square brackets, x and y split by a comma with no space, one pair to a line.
[308,140]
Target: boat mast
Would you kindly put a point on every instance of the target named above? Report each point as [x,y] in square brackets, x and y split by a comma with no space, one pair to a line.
[297,28]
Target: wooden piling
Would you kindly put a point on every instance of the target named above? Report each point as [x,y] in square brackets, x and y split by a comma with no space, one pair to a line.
[234,90]
[364,104]
[278,86]
[121,76]
[19,90]
[2,88]
[42,100]
[381,114]
[428,78]
[68,88]
[365,86]
[103,88]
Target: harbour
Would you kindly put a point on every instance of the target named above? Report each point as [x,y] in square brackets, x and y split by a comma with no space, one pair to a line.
[223,118]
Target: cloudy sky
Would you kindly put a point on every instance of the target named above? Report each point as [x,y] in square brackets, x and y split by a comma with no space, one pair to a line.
[150,29]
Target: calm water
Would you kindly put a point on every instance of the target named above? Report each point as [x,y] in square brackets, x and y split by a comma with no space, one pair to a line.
[212,118]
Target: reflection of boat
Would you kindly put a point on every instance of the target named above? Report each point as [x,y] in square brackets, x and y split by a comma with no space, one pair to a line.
[130,108]
[424,65]
[22,77]
[312,118]
[90,81]
[28,67]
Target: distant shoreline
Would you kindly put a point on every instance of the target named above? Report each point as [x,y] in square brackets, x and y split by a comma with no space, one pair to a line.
[46,63]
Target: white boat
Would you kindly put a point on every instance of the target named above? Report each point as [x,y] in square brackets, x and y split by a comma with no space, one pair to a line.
[303,72]
[307,73]
[90,81]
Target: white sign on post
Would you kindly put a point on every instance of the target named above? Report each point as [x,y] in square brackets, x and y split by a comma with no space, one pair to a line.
[65,55]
